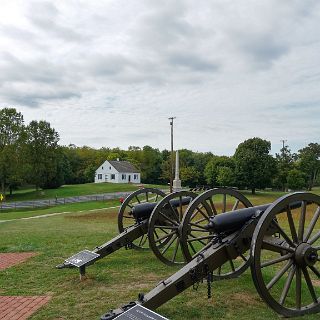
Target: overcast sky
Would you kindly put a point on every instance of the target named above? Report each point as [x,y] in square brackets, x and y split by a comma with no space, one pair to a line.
[110,73]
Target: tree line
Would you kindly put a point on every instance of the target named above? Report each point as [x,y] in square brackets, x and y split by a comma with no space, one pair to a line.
[31,154]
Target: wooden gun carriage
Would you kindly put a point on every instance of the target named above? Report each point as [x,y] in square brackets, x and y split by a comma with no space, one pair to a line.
[280,241]
[146,217]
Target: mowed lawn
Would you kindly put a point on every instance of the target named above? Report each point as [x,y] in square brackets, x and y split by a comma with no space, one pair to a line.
[114,280]
[70,191]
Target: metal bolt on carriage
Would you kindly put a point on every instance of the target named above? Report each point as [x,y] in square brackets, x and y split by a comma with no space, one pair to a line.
[220,235]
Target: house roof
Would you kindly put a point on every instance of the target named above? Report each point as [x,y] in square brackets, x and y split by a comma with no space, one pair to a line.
[124,166]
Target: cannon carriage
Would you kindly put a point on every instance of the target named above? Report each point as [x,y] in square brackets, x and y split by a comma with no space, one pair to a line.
[145,214]
[279,241]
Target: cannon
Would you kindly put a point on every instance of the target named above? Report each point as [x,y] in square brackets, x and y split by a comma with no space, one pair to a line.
[280,241]
[133,224]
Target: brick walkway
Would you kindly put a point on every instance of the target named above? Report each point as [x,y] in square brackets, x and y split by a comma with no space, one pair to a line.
[14,308]
[11,259]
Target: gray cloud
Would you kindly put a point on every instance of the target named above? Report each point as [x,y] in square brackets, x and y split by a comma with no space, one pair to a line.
[45,16]
[36,98]
[192,62]
[227,70]
[37,70]
[262,49]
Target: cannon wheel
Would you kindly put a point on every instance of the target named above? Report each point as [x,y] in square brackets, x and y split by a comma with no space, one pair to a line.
[285,255]
[194,235]
[163,231]
[125,219]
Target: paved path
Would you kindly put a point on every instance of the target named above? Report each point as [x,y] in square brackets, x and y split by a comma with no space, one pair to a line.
[12,258]
[20,307]
[54,202]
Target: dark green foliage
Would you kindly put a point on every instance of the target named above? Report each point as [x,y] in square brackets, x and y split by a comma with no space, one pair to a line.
[42,155]
[309,162]
[11,140]
[225,176]
[296,179]
[150,165]
[32,155]
[255,167]
[213,170]
[285,163]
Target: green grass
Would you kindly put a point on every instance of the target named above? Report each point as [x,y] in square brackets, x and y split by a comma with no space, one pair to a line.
[114,280]
[72,207]
[70,191]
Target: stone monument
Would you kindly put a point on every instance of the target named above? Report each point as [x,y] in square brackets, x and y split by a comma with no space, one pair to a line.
[177,181]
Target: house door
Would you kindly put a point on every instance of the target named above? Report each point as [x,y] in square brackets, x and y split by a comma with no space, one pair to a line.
[106,178]
[129,178]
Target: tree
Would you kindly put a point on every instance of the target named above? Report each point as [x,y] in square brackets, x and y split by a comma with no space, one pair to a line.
[285,162]
[255,167]
[150,165]
[296,179]
[225,176]
[211,170]
[42,154]
[189,175]
[309,162]
[11,139]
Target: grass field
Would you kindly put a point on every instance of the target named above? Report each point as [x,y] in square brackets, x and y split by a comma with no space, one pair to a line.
[114,280]
[70,191]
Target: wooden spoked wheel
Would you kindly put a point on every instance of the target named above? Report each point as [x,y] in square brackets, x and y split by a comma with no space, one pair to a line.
[163,231]
[285,255]
[195,237]
[125,218]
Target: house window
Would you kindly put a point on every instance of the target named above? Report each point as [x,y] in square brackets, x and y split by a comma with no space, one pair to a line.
[113,176]
[99,176]
[109,168]
[135,177]
[102,168]
[124,177]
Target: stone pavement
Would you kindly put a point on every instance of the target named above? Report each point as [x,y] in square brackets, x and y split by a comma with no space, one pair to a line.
[14,308]
[11,259]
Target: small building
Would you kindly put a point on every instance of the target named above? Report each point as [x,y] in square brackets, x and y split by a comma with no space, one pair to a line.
[117,172]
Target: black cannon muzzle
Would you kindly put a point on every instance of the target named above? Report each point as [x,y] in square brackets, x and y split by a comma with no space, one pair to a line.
[143,211]
[229,222]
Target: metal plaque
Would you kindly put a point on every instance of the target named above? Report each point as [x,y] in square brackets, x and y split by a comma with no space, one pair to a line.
[82,258]
[139,312]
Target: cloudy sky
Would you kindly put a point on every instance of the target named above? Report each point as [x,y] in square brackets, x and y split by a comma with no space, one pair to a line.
[110,73]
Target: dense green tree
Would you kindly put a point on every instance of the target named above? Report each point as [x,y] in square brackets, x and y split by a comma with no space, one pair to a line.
[42,154]
[225,176]
[296,179]
[255,167]
[11,139]
[285,163]
[150,165]
[309,163]
[189,176]
[200,162]
[212,167]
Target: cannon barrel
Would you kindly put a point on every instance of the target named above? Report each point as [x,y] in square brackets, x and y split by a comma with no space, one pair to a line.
[143,211]
[229,222]
[249,227]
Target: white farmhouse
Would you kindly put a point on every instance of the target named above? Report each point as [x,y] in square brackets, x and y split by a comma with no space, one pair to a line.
[117,172]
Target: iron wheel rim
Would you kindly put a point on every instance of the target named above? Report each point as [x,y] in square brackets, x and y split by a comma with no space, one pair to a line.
[296,273]
[125,220]
[208,209]
[172,238]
